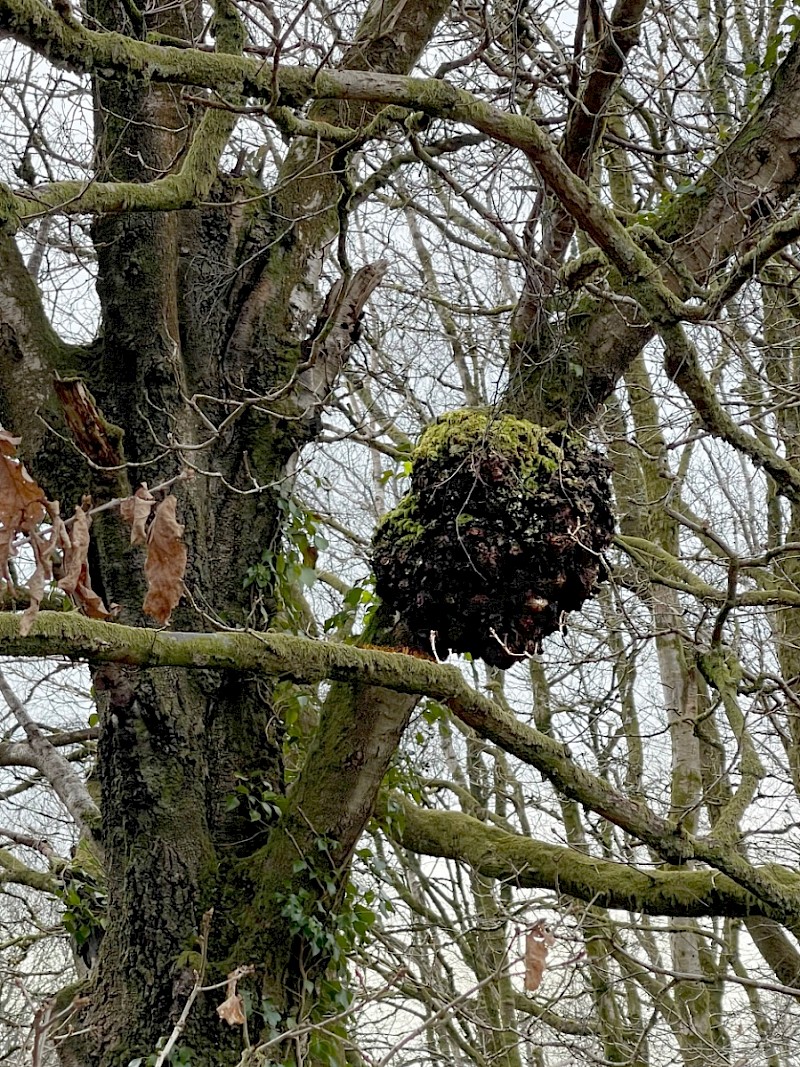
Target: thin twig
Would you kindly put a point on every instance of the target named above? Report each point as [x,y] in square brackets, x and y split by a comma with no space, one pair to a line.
[180,1025]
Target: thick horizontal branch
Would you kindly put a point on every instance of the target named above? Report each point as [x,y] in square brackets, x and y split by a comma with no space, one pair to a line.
[299,659]
[531,864]
[66,43]
[778,891]
[304,660]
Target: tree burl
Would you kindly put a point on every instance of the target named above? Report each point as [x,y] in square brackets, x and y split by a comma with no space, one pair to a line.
[501,535]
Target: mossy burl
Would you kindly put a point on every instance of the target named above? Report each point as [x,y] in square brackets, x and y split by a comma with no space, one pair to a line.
[457,433]
[499,537]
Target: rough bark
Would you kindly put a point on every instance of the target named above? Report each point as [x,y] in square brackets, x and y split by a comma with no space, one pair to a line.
[216,300]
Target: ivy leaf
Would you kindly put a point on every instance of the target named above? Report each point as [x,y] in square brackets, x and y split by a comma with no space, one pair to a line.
[308,576]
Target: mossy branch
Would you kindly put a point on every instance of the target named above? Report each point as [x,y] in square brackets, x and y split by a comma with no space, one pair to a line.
[73,636]
[531,864]
[107,53]
[187,187]
[665,569]
[305,660]
[344,136]
[14,872]
[723,672]
[68,43]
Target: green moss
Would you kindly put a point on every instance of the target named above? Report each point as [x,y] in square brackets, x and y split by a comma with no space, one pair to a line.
[403,521]
[461,432]
[721,669]
[679,212]
[67,996]
[531,451]
[86,861]
[9,210]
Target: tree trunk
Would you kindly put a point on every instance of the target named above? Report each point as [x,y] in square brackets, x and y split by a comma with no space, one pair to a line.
[215,302]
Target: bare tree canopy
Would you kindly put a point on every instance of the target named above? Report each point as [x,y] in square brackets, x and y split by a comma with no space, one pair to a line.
[399,533]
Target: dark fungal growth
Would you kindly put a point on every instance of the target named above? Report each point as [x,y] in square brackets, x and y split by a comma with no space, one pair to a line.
[499,537]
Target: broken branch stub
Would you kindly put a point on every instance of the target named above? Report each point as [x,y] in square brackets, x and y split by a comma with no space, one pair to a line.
[500,536]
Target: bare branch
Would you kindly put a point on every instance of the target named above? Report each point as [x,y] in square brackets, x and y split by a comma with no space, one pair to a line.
[66,782]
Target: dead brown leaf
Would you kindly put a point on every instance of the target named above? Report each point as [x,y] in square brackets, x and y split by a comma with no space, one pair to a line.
[76,581]
[23,504]
[232,1008]
[75,551]
[43,549]
[537,941]
[166,562]
[136,510]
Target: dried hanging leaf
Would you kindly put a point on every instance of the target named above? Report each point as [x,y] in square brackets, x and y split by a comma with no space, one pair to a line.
[76,581]
[537,941]
[166,562]
[23,504]
[43,549]
[75,551]
[136,510]
[232,1008]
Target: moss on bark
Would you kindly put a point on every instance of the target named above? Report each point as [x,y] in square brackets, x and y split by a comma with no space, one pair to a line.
[499,538]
